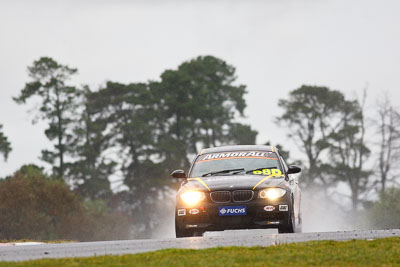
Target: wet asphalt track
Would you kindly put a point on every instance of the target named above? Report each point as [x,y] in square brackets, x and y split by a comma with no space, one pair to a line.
[228,238]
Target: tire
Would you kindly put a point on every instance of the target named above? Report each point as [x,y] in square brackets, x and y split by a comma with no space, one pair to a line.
[179,232]
[291,226]
[299,225]
[186,233]
[183,233]
[287,228]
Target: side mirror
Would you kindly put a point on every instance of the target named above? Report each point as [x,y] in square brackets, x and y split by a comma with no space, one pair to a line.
[294,169]
[179,174]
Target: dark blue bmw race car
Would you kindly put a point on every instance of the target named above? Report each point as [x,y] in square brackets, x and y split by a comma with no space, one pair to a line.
[238,187]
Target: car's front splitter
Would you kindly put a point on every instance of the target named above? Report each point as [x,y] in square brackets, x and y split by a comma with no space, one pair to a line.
[208,217]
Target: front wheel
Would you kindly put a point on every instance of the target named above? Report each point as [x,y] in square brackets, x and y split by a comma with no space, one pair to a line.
[291,226]
[179,232]
[286,229]
[299,226]
[186,233]
[183,233]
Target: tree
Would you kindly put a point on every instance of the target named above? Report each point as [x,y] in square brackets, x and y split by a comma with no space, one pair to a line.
[349,151]
[217,100]
[385,213]
[131,118]
[157,126]
[139,131]
[90,169]
[5,145]
[241,134]
[199,105]
[57,105]
[311,114]
[388,125]
[131,124]
[34,206]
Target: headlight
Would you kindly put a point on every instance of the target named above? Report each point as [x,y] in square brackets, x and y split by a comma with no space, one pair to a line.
[192,197]
[272,193]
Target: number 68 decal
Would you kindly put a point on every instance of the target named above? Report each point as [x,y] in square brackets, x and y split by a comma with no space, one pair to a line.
[274,172]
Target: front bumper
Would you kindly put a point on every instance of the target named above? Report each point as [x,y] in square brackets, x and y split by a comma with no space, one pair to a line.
[260,213]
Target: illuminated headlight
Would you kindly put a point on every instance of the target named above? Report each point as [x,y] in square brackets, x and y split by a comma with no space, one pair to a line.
[192,197]
[272,193]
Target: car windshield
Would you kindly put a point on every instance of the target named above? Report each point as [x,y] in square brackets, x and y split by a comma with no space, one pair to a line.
[236,162]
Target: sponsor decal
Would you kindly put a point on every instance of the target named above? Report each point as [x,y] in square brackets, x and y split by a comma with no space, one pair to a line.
[232,211]
[272,172]
[181,212]
[283,207]
[247,154]
[269,208]
[194,211]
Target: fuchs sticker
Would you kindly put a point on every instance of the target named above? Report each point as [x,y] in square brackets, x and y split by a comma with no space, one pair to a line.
[269,208]
[232,211]
[283,208]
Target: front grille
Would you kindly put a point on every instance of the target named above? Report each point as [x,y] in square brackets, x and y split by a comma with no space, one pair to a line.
[221,196]
[242,195]
[237,196]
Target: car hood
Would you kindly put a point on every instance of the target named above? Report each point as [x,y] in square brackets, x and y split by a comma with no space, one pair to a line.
[233,182]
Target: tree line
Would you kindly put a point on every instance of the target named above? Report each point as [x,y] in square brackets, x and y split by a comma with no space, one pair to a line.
[137,133]
[339,142]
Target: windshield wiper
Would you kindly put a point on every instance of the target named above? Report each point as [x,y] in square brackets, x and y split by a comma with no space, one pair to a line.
[223,171]
[262,168]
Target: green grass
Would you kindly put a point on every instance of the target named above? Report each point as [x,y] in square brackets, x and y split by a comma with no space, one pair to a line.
[381,252]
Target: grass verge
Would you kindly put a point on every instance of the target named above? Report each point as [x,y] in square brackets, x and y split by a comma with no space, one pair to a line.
[322,253]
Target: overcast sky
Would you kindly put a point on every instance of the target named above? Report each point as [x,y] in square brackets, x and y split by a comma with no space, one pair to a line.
[276,46]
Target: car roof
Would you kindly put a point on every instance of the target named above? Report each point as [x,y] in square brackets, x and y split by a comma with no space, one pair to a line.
[238,148]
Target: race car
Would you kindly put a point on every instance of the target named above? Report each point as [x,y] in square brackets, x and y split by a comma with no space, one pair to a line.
[237,187]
